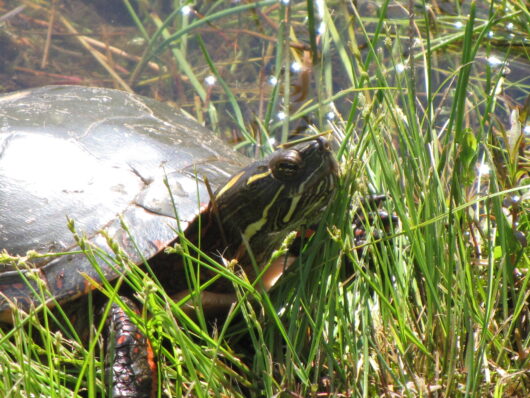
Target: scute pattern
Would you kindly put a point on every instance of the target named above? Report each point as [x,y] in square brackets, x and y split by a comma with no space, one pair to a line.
[96,156]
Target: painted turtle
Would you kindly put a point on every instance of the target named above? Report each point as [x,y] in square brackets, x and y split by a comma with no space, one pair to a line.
[105,158]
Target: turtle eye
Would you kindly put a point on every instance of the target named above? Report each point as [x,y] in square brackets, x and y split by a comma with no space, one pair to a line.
[286,165]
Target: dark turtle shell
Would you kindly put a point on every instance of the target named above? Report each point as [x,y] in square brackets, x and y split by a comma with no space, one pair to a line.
[97,156]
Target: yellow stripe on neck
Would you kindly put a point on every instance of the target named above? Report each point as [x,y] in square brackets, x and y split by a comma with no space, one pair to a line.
[251,229]
[229,184]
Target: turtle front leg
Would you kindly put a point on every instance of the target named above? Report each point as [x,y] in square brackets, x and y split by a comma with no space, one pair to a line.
[130,366]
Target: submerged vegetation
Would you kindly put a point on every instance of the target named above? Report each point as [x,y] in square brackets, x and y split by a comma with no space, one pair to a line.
[426,102]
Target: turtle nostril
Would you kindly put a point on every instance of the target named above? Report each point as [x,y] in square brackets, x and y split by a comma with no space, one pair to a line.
[323,144]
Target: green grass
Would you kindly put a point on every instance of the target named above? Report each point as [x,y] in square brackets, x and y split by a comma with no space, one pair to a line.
[439,306]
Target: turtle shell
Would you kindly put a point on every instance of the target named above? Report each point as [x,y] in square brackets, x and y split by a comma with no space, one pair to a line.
[99,157]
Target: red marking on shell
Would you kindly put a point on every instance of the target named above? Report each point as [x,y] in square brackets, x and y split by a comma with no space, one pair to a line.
[59,281]
[87,286]
[160,245]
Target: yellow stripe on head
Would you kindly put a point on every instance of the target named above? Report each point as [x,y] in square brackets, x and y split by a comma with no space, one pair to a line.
[229,184]
[258,177]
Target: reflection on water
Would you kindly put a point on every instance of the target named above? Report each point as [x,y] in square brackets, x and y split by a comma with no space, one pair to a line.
[243,44]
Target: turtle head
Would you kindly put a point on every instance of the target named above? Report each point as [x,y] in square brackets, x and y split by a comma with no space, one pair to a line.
[268,199]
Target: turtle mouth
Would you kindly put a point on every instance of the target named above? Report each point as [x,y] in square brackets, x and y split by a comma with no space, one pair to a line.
[323,177]
[332,164]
